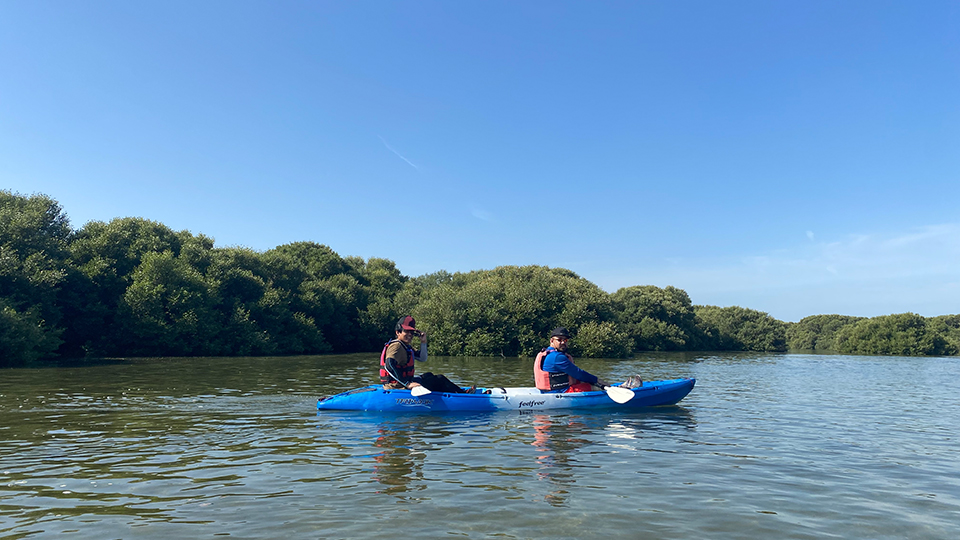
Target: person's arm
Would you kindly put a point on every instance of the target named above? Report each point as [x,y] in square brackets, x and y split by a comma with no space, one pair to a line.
[562,363]
[421,355]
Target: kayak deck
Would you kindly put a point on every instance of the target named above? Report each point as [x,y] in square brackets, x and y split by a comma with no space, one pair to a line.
[376,398]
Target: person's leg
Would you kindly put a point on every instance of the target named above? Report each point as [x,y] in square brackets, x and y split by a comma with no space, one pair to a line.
[451,388]
[431,382]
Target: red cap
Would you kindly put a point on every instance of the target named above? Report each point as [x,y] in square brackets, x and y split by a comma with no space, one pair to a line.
[406,323]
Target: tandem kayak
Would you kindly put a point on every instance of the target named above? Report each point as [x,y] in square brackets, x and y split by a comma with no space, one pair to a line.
[376,398]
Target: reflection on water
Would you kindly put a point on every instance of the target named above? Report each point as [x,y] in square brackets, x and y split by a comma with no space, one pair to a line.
[558,439]
[767,446]
[398,463]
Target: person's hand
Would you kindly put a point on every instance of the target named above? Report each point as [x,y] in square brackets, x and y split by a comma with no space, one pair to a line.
[423,337]
[413,385]
[601,383]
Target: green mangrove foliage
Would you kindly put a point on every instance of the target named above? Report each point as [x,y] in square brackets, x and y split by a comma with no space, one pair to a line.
[509,310]
[34,234]
[901,334]
[947,326]
[658,319]
[740,329]
[817,332]
[135,287]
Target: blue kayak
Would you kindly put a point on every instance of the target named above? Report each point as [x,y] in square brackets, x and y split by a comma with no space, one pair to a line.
[376,398]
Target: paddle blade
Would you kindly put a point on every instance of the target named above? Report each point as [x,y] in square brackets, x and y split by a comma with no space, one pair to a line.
[419,391]
[619,394]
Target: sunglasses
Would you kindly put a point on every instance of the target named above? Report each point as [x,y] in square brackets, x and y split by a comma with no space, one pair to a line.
[414,332]
[561,338]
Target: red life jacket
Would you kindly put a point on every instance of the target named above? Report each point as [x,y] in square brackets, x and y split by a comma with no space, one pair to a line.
[549,380]
[404,370]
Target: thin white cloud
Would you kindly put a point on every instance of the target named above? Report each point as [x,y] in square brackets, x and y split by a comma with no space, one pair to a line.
[917,253]
[921,252]
[482,215]
[399,155]
[866,275]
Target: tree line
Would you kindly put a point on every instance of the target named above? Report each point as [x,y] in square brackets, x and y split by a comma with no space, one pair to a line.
[134,287]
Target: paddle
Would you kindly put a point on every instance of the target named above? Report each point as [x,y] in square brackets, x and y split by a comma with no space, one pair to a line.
[418,391]
[619,393]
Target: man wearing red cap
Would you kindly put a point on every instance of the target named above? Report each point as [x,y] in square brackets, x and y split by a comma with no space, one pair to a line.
[398,357]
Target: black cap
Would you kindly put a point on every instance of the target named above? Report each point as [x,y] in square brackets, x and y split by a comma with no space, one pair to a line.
[560,332]
[406,323]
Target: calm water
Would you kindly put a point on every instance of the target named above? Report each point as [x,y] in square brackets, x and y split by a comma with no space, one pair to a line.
[766,446]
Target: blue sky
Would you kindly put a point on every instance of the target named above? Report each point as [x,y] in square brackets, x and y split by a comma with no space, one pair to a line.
[795,157]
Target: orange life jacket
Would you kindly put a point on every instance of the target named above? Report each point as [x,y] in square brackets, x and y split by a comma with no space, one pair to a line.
[549,380]
[405,370]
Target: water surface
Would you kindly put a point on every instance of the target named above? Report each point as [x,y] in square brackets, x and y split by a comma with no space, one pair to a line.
[767,445]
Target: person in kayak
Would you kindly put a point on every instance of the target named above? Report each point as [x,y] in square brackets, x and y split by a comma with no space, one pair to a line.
[398,358]
[555,372]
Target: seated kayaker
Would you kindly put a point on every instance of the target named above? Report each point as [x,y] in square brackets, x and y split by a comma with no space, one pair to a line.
[398,357]
[555,372]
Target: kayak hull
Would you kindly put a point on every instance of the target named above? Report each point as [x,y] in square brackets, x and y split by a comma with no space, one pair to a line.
[376,398]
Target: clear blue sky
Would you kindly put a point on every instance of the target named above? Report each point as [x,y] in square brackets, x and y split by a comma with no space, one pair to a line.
[795,157]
